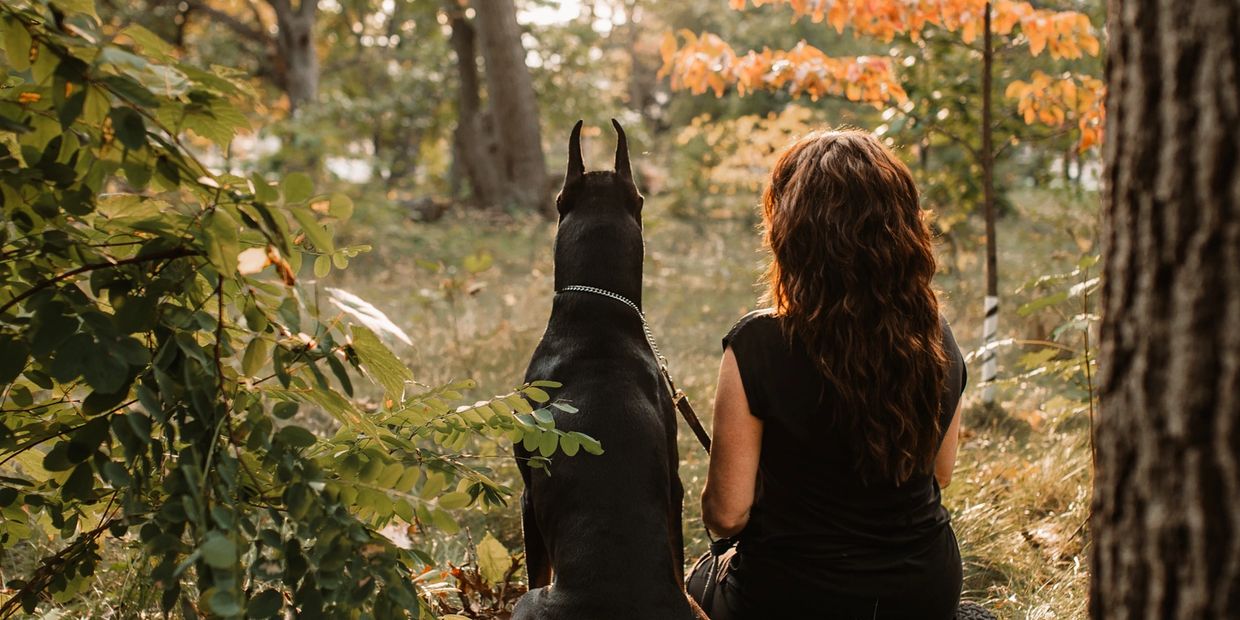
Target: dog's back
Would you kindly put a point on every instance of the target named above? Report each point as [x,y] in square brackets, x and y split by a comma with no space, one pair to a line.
[607,525]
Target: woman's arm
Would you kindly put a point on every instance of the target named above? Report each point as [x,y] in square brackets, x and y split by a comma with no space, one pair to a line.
[733,472]
[945,462]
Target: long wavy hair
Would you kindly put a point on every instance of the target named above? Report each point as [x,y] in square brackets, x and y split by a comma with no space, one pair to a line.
[849,276]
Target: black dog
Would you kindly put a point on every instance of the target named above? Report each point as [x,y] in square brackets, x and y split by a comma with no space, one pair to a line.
[606,527]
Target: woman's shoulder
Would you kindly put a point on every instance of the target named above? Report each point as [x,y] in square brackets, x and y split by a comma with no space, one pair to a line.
[761,320]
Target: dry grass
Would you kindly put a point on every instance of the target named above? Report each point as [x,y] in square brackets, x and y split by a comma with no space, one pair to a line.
[1020,499]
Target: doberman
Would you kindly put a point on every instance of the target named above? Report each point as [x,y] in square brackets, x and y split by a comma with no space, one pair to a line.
[603,532]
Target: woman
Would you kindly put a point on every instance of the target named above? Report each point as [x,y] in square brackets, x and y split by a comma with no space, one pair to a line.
[836,416]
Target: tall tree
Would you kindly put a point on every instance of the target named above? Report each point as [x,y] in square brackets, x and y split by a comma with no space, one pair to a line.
[1166,518]
[706,61]
[289,57]
[474,148]
[295,46]
[514,106]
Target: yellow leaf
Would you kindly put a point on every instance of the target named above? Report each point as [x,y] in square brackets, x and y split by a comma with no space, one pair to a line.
[493,559]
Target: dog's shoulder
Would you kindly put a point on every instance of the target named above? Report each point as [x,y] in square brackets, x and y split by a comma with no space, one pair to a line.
[763,319]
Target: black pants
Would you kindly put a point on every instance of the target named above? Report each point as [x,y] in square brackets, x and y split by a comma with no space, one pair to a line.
[713,585]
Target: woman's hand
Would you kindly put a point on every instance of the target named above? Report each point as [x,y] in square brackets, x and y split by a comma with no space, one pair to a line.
[735,448]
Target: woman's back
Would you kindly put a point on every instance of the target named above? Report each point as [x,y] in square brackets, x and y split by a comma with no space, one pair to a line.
[817,524]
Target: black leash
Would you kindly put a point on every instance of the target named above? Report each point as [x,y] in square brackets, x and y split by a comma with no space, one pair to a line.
[679,399]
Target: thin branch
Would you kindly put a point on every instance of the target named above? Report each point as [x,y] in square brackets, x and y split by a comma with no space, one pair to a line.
[167,254]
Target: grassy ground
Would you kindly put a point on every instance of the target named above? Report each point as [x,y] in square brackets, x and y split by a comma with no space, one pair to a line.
[1020,499]
[475,292]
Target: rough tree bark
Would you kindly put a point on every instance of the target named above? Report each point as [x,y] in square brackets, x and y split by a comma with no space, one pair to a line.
[1166,525]
[474,149]
[514,107]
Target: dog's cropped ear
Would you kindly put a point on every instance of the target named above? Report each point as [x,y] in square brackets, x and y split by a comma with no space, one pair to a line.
[622,153]
[576,166]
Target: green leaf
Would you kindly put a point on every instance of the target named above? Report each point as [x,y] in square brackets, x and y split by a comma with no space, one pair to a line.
[296,436]
[150,42]
[322,266]
[493,559]
[536,394]
[379,362]
[340,207]
[544,418]
[223,244]
[17,43]
[314,231]
[219,551]
[589,443]
[454,500]
[569,445]
[547,443]
[265,605]
[1042,302]
[435,482]
[257,352]
[224,603]
[129,126]
[444,522]
[104,370]
[86,7]
[285,409]
[16,353]
[297,187]
[79,484]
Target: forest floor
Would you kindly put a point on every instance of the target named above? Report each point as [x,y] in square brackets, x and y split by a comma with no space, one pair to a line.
[475,290]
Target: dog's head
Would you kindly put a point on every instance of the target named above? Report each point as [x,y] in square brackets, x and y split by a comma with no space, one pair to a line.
[599,242]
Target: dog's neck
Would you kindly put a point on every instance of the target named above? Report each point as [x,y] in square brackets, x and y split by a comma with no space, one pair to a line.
[602,255]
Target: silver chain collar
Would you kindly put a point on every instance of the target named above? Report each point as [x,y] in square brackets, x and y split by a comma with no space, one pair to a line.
[626,301]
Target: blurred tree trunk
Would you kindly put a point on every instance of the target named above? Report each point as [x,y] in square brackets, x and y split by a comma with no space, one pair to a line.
[514,107]
[474,149]
[1166,524]
[299,75]
[289,59]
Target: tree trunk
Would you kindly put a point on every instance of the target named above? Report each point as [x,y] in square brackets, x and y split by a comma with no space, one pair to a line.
[514,107]
[299,75]
[990,322]
[474,151]
[1166,524]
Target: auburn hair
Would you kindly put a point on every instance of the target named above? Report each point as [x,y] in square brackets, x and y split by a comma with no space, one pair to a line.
[850,278]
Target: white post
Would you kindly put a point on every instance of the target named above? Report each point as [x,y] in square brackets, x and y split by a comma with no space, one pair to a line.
[990,366]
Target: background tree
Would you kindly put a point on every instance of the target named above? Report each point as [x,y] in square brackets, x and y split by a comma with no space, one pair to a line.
[514,107]
[1166,517]
[293,60]
[706,61]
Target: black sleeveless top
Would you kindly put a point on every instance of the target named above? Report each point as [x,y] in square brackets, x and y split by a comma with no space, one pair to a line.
[816,530]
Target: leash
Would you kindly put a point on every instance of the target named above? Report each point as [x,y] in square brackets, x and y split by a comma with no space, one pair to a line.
[679,399]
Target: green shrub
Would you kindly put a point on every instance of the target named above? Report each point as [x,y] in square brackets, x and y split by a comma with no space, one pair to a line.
[158,342]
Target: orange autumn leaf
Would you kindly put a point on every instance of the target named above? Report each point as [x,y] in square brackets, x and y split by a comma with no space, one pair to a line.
[709,63]
[1057,101]
[705,62]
